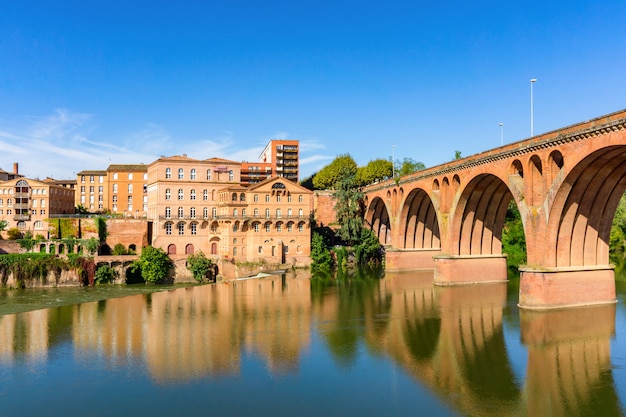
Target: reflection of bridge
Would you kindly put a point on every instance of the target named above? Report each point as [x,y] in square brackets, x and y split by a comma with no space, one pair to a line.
[566,184]
[449,339]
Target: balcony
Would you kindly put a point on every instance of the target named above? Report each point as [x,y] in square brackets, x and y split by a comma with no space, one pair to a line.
[21,217]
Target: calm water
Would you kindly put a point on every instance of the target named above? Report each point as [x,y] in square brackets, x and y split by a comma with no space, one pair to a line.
[287,345]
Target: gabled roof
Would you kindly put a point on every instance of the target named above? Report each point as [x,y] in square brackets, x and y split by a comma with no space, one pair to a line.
[290,185]
[222,161]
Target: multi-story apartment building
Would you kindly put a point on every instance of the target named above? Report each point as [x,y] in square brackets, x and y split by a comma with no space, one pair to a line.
[183,201]
[120,189]
[26,204]
[279,158]
[128,189]
[92,190]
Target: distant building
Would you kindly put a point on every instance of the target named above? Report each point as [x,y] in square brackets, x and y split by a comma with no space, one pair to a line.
[120,189]
[279,158]
[5,176]
[26,204]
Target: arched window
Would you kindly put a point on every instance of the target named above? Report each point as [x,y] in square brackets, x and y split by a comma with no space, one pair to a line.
[181,228]
[214,212]
[267,213]
[208,174]
[205,195]
[168,228]
[242,197]
[181,212]
[192,212]
[168,212]
[278,213]
[234,197]
[205,212]
[289,213]
[231,175]
[189,249]
[181,174]
[130,188]
[168,173]
[171,249]
[194,228]
[268,227]
[168,194]
[300,212]
[192,174]
[256,212]
[181,194]
[192,195]
[234,212]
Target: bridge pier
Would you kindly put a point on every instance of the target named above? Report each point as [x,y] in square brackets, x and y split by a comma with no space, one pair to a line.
[409,259]
[467,269]
[547,288]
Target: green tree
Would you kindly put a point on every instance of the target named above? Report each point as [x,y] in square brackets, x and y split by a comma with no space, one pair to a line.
[200,266]
[375,170]
[154,264]
[457,155]
[513,238]
[14,233]
[328,177]
[348,208]
[409,166]
[3,226]
[320,253]
[80,209]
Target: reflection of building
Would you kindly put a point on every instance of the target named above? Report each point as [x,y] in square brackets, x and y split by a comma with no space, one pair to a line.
[280,158]
[26,204]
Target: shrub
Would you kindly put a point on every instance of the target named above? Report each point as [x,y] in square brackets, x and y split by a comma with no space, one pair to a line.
[105,275]
[200,266]
[119,249]
[14,233]
[154,264]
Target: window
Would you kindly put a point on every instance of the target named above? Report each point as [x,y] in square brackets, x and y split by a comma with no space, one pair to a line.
[205,212]
[268,227]
[192,174]
[192,195]
[168,212]
[236,229]
[43,203]
[91,188]
[234,197]
[267,198]
[130,188]
[192,212]
[234,212]
[256,212]
[300,199]
[145,175]
[231,175]
[290,227]
[181,194]
[181,228]
[114,188]
[194,228]
[168,173]
[234,251]
[243,212]
[168,228]
[289,198]
[289,213]
[91,178]
[130,175]
[181,174]
[267,213]
[242,197]
[208,174]
[260,249]
[115,199]
[168,194]
[101,179]
[214,212]
[278,213]
[100,189]
[300,213]
[38,224]
[115,175]
[278,198]
[301,227]
[181,212]
[279,227]
[256,198]
[205,195]
[256,227]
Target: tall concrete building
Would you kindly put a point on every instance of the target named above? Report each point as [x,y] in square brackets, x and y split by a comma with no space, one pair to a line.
[279,158]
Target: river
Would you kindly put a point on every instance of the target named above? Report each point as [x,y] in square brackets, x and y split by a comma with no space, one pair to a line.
[290,345]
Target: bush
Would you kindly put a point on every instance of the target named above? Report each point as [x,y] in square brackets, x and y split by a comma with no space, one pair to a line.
[119,249]
[105,275]
[154,264]
[200,266]
[14,233]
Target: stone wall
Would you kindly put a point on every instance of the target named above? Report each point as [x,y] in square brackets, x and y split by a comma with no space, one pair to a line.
[324,208]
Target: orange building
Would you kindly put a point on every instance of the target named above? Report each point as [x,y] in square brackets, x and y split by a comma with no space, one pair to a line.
[183,201]
[92,190]
[280,158]
[26,204]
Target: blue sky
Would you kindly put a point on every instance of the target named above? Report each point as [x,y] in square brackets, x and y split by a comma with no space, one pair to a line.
[86,84]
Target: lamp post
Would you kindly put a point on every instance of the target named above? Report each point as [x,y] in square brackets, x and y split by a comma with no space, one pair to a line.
[501,133]
[393,161]
[532,81]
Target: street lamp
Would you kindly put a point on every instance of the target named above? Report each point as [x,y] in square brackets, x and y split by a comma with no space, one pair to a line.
[393,161]
[532,81]
[501,133]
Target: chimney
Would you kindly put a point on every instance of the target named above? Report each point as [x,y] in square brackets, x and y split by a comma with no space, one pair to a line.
[16,169]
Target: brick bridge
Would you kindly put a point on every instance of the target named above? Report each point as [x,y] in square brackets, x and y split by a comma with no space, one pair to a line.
[566,183]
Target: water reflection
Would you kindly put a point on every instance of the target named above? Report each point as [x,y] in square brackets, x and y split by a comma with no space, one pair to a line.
[450,340]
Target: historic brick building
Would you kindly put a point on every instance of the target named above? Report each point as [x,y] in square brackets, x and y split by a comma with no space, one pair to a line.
[26,204]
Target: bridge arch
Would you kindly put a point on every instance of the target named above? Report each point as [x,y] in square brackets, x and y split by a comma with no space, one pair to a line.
[580,220]
[377,217]
[419,224]
[479,217]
